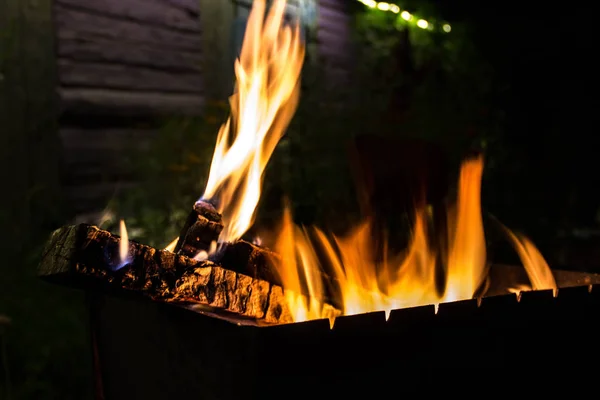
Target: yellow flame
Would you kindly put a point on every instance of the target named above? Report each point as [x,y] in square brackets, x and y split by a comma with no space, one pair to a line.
[518,289]
[535,265]
[262,106]
[367,283]
[171,246]
[123,243]
[317,269]
[466,260]
[299,262]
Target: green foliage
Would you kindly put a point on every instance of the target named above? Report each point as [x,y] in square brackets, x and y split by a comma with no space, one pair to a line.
[447,85]
[448,103]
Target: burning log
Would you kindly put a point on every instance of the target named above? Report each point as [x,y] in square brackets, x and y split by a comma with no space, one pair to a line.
[200,234]
[246,258]
[202,227]
[84,255]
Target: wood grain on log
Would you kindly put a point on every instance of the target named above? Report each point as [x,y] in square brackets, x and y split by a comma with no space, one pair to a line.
[72,24]
[200,231]
[155,12]
[83,255]
[123,102]
[120,76]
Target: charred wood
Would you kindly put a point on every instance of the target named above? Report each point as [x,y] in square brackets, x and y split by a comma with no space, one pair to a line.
[86,257]
[249,259]
[202,227]
[261,263]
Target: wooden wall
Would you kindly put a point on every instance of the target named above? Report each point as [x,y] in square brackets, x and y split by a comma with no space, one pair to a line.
[334,38]
[121,64]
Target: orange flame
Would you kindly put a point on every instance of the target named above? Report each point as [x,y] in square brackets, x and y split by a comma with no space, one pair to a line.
[466,261]
[357,280]
[367,284]
[124,243]
[537,268]
[265,100]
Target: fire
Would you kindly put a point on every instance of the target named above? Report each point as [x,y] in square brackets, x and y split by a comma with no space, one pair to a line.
[466,261]
[369,283]
[264,102]
[319,269]
[124,256]
[535,265]
[124,243]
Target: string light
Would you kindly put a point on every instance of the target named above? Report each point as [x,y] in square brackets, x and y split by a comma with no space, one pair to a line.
[405,15]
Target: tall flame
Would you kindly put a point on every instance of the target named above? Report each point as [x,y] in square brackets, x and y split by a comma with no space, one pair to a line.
[316,268]
[369,283]
[466,260]
[262,106]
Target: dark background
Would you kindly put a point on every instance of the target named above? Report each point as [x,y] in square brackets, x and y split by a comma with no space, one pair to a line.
[541,175]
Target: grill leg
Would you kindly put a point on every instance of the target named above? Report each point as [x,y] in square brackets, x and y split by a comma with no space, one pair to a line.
[96,366]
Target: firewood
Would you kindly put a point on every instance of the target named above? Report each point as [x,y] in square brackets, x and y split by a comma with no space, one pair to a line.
[249,259]
[85,256]
[202,227]
[261,263]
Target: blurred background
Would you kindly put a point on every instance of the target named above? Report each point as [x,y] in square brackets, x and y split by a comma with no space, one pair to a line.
[110,109]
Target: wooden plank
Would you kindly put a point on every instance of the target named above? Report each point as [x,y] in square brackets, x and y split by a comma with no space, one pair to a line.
[334,38]
[217,18]
[340,5]
[95,49]
[152,12]
[127,103]
[118,139]
[73,24]
[192,6]
[336,20]
[100,155]
[118,76]
[334,46]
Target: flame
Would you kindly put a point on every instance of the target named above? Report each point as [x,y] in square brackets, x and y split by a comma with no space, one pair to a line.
[124,243]
[171,246]
[535,265]
[466,261]
[517,290]
[262,106]
[370,283]
[124,256]
[325,275]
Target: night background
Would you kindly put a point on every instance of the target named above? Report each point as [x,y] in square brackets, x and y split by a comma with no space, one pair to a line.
[514,81]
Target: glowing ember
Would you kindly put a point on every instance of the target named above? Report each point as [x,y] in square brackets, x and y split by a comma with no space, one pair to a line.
[265,100]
